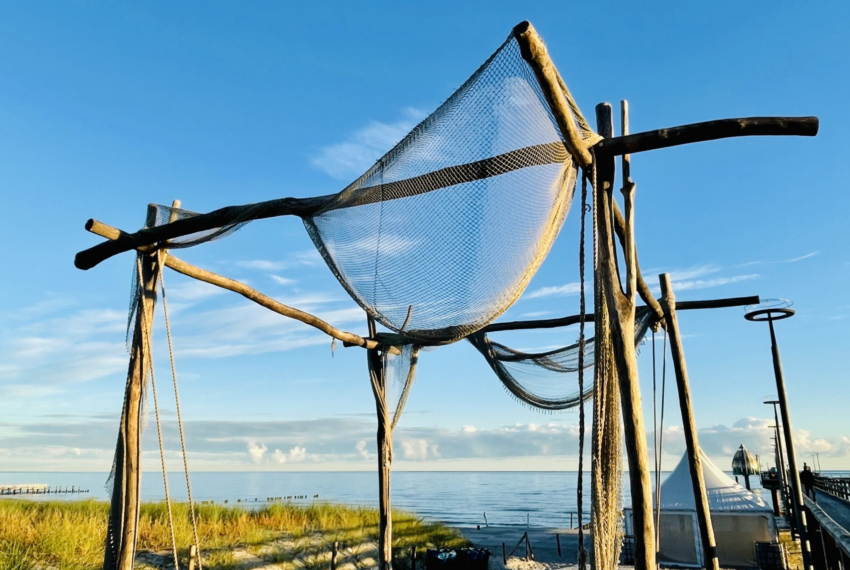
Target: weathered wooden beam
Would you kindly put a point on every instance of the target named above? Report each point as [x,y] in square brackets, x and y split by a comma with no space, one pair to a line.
[534,51]
[621,311]
[89,258]
[378,377]
[189,270]
[303,207]
[122,526]
[575,319]
[708,131]
[677,351]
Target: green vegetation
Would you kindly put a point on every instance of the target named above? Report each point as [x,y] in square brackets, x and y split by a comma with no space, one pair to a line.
[70,535]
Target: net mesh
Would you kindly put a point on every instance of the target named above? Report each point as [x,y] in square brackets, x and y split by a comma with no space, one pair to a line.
[547,380]
[445,231]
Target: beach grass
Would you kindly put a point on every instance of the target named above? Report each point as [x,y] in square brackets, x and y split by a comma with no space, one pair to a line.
[70,535]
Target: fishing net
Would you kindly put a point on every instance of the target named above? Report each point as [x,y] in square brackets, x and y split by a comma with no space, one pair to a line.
[445,231]
[547,380]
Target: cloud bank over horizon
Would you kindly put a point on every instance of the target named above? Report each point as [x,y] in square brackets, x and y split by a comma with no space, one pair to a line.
[68,444]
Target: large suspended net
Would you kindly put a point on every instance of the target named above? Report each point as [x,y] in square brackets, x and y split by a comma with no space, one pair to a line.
[547,380]
[445,231]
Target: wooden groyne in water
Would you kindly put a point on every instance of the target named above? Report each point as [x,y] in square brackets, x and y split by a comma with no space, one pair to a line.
[39,489]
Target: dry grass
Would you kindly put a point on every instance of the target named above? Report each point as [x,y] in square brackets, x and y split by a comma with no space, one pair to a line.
[70,535]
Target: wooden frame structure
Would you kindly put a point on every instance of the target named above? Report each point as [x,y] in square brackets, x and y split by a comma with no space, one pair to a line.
[619,303]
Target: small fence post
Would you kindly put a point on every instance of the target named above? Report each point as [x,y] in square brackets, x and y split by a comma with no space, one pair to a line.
[558,540]
[504,555]
[193,553]
[333,555]
[412,558]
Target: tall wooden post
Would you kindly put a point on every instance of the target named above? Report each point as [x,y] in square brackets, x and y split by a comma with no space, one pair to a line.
[706,530]
[621,310]
[122,530]
[377,374]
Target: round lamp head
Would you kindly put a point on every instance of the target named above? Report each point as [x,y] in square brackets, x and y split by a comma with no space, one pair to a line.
[769,310]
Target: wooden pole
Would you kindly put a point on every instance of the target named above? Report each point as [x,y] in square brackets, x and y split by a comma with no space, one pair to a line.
[706,530]
[546,72]
[249,293]
[709,131]
[385,453]
[122,529]
[621,310]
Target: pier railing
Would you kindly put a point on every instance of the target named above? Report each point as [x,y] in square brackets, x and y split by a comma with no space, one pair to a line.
[836,486]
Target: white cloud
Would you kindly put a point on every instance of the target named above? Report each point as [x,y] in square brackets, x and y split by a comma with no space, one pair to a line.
[792,260]
[359,151]
[557,291]
[415,449]
[361,449]
[279,457]
[282,280]
[256,452]
[298,453]
[469,429]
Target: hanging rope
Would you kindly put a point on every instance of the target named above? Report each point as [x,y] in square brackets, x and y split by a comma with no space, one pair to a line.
[161,259]
[147,343]
[660,432]
[582,553]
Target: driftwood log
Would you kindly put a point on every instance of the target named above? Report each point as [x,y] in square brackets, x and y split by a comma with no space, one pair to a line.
[305,207]
[122,531]
[378,377]
[534,52]
[575,319]
[677,351]
[249,293]
[621,310]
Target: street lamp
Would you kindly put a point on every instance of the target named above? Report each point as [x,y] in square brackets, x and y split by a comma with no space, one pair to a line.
[771,310]
[780,457]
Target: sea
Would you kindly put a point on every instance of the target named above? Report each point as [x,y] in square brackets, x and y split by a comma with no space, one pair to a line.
[462,499]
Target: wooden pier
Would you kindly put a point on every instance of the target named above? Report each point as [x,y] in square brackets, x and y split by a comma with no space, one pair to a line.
[829,522]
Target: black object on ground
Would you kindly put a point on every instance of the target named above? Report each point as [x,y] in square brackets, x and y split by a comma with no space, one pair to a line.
[457,559]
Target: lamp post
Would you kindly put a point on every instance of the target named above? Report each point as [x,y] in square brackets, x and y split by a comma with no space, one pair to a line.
[780,464]
[775,310]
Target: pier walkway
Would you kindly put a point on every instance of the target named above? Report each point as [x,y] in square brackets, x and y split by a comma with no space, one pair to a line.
[829,523]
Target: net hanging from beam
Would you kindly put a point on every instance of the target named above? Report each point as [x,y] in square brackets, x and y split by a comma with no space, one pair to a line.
[547,380]
[446,230]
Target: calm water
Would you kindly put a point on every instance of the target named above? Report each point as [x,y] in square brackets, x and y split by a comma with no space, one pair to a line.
[456,498]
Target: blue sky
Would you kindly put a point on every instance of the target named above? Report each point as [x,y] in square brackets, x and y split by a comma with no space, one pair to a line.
[105,107]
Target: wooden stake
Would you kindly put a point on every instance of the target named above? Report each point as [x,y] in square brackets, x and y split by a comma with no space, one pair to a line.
[122,530]
[193,553]
[621,310]
[333,555]
[677,351]
[385,453]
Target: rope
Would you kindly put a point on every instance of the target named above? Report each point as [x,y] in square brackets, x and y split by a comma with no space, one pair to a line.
[160,256]
[660,443]
[655,444]
[147,344]
[582,553]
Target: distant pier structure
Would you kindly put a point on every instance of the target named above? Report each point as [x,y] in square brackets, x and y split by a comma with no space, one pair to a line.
[745,464]
[39,489]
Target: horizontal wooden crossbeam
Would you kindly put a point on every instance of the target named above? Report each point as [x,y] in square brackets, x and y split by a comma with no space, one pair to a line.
[575,319]
[305,207]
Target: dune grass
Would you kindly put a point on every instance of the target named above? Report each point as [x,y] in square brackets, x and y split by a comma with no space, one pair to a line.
[70,535]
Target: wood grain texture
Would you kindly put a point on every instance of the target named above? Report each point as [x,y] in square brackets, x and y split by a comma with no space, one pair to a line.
[708,131]
[677,352]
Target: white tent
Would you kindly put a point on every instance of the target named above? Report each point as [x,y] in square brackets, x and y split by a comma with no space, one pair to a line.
[739,517]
